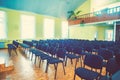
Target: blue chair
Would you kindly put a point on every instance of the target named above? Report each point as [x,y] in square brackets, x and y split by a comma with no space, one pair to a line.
[11,48]
[15,43]
[106,54]
[60,54]
[72,55]
[78,52]
[116,76]
[24,46]
[111,68]
[43,57]
[94,62]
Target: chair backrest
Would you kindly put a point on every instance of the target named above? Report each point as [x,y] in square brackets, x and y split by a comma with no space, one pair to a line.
[77,50]
[30,43]
[112,66]
[11,46]
[106,54]
[15,43]
[93,61]
[69,48]
[88,48]
[61,53]
[117,57]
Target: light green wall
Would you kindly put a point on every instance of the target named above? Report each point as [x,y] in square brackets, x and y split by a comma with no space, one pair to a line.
[94,5]
[13,24]
[84,8]
[58,31]
[82,32]
[39,27]
[98,5]
[102,29]
[88,32]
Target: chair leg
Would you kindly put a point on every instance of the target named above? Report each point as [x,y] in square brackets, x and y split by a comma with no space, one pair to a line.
[55,70]
[66,61]
[31,56]
[15,52]
[47,67]
[81,61]
[63,68]
[39,63]
[71,61]
[76,63]
[28,53]
[74,76]
[9,51]
[35,59]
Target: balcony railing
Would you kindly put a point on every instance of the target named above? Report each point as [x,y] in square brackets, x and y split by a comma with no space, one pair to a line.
[98,16]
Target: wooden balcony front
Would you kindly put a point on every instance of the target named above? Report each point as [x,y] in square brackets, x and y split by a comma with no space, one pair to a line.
[92,17]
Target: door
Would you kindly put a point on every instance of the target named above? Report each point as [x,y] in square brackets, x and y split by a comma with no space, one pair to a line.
[117,32]
[109,35]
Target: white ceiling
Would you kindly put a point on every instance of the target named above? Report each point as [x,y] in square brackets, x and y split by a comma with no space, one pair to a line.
[55,8]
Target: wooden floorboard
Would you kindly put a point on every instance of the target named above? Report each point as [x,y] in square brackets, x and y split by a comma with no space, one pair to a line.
[25,69]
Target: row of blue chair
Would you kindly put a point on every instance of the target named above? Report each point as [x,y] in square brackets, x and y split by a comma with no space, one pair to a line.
[51,50]
[96,62]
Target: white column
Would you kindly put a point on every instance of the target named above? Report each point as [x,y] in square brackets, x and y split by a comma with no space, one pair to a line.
[114,31]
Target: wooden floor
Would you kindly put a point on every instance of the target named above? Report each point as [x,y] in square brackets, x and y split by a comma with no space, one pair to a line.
[25,69]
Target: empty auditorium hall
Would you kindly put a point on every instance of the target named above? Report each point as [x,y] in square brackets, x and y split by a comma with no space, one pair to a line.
[59,39]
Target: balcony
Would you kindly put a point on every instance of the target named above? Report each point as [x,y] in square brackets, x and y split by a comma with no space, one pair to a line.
[99,16]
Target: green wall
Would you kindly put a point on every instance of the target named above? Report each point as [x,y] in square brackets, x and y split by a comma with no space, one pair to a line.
[88,31]
[94,5]
[98,5]
[58,30]
[13,24]
[39,27]
[82,32]
[84,8]
[75,32]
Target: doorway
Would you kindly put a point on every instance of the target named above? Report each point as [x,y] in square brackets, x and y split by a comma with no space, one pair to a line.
[117,33]
[109,35]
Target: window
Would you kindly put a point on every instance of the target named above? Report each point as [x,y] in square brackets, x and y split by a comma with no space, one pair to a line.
[48,28]
[27,27]
[115,9]
[108,11]
[3,33]
[111,10]
[64,29]
[109,35]
[118,9]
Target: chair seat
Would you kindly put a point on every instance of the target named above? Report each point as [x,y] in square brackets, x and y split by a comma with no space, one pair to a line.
[25,45]
[32,50]
[104,64]
[54,60]
[72,56]
[11,46]
[44,56]
[104,78]
[86,74]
